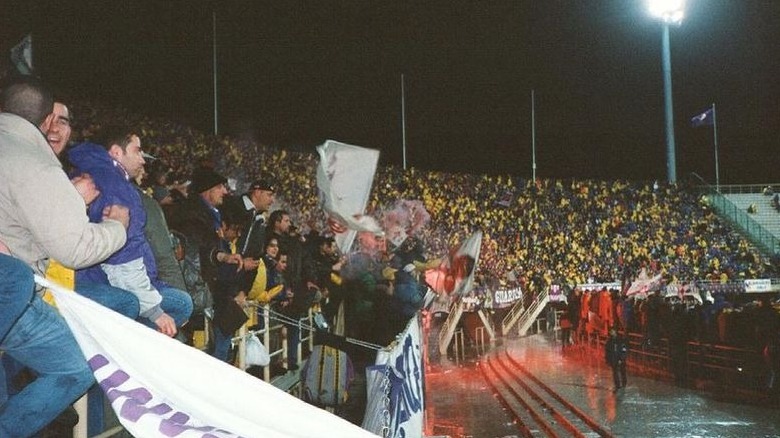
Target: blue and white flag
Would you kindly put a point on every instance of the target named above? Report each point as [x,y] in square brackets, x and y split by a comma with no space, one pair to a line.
[396,398]
[707,118]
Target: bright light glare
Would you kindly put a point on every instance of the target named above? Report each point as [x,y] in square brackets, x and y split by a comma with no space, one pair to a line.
[670,11]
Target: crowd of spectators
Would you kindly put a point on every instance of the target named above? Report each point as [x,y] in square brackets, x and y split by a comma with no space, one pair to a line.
[535,233]
[544,232]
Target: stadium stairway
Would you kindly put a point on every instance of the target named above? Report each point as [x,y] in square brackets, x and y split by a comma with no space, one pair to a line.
[765,214]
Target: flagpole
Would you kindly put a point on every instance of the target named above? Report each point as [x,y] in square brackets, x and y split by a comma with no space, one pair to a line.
[533,136]
[214,51]
[715,139]
[403,119]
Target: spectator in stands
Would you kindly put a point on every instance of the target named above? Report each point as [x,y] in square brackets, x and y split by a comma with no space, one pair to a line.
[407,293]
[199,220]
[161,241]
[279,225]
[34,231]
[114,166]
[58,134]
[116,299]
[229,297]
[256,203]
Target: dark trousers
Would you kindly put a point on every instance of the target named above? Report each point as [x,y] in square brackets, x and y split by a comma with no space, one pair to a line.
[619,374]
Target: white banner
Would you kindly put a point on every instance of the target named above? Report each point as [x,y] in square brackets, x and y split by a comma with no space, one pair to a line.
[506,297]
[403,367]
[344,177]
[556,294]
[758,285]
[159,387]
[587,287]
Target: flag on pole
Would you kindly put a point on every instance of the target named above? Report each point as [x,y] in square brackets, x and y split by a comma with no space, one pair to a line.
[159,387]
[344,177]
[704,119]
[455,275]
[21,56]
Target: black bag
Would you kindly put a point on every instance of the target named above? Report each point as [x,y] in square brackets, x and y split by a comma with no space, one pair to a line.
[202,298]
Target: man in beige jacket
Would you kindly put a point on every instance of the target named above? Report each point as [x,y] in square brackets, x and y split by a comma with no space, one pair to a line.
[42,216]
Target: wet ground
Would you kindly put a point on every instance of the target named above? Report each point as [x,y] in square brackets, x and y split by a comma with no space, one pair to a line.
[460,402]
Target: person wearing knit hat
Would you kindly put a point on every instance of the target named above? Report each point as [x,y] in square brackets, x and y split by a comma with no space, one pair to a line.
[199,220]
[206,179]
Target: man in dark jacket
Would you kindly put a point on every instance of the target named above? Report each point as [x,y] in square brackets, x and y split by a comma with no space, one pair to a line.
[256,202]
[616,351]
[199,220]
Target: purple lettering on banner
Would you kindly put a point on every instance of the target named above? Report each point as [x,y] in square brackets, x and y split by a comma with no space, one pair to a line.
[160,409]
[115,379]
[169,428]
[180,417]
[405,391]
[97,362]
[134,404]
[140,395]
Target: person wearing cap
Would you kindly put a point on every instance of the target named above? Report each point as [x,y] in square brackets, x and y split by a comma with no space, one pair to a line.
[256,201]
[113,166]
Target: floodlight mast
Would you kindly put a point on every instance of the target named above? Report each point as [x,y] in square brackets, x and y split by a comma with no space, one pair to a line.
[669,12]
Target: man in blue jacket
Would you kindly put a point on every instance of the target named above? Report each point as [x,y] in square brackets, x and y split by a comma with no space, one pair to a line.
[113,166]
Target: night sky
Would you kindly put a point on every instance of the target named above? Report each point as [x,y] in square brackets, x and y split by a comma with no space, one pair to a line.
[293,74]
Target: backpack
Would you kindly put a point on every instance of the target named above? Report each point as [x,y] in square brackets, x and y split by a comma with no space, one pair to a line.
[326,376]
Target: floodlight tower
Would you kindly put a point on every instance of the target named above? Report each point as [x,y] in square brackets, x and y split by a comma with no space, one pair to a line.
[669,12]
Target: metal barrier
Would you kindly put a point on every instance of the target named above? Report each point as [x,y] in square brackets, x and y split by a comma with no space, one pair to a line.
[460,346]
[720,367]
[479,341]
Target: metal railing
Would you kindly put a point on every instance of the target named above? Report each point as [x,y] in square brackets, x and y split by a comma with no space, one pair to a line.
[512,316]
[719,367]
[534,309]
[739,218]
[449,326]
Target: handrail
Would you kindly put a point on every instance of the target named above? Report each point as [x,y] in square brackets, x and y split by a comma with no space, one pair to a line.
[740,219]
[511,317]
[456,310]
[540,300]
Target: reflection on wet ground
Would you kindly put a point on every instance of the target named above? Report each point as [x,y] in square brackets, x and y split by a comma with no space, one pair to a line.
[460,403]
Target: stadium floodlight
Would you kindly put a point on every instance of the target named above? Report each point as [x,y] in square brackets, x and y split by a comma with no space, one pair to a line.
[670,12]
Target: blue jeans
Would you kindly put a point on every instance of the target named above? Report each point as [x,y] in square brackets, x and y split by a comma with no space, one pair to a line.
[16,291]
[41,341]
[176,303]
[118,300]
[221,345]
